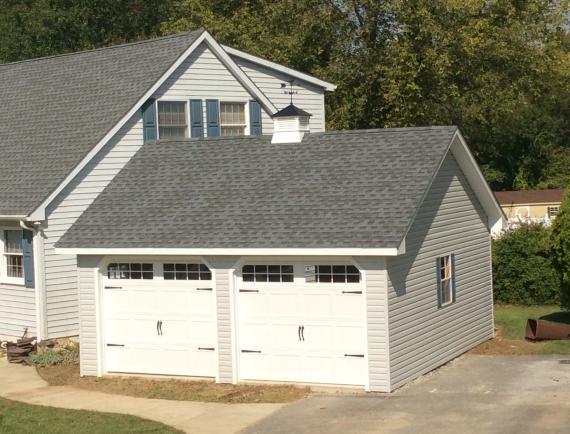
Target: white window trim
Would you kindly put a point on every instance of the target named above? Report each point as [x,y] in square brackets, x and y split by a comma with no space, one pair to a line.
[186,110]
[20,281]
[450,279]
[549,210]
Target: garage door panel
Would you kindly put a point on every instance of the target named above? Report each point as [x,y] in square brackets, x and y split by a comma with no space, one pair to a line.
[187,344]
[333,325]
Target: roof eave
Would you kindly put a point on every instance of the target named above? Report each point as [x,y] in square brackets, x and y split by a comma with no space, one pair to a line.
[280,68]
[231,251]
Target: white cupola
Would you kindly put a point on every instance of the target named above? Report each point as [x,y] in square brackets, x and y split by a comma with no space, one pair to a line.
[290,125]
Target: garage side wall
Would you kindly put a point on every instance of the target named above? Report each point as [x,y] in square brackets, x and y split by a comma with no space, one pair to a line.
[87,268]
[374,270]
[423,336]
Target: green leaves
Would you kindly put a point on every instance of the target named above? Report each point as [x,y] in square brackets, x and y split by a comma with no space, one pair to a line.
[560,240]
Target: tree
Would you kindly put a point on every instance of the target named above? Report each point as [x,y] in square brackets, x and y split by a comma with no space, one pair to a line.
[523,270]
[561,248]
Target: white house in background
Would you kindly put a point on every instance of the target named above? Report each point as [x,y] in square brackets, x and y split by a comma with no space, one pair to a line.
[70,123]
[530,206]
[358,258]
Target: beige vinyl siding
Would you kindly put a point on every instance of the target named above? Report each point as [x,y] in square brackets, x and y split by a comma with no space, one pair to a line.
[423,336]
[223,275]
[86,272]
[17,310]
[309,97]
[376,281]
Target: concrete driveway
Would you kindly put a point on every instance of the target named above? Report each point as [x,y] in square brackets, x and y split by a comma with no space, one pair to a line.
[474,394]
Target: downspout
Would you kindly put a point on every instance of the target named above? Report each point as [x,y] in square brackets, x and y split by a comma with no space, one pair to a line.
[39,278]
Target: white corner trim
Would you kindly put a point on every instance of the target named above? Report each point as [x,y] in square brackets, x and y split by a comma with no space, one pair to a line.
[39,214]
[280,68]
[465,159]
[230,251]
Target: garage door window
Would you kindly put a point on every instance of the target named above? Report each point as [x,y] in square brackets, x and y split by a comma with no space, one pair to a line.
[267,273]
[130,271]
[187,272]
[333,274]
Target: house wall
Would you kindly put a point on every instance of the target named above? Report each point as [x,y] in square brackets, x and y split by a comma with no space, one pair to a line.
[532,210]
[423,336]
[203,76]
[17,305]
[308,97]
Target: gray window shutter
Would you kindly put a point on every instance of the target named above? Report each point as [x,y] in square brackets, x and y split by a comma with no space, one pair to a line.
[28,254]
[255,118]
[438,277]
[196,118]
[453,289]
[149,120]
[213,117]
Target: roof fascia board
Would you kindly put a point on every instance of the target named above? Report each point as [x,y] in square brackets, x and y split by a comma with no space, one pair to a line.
[40,212]
[13,217]
[239,74]
[465,159]
[280,68]
[231,251]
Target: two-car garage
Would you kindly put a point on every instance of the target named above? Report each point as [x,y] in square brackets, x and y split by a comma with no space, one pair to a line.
[292,322]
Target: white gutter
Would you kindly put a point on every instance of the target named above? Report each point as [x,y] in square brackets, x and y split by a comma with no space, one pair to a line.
[39,281]
[231,251]
[13,217]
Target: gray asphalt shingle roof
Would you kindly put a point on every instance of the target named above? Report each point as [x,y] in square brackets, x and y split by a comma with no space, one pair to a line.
[334,190]
[54,111]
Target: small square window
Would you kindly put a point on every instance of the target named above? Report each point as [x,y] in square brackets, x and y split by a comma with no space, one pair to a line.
[232,118]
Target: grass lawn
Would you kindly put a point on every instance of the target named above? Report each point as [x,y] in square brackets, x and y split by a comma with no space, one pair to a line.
[173,389]
[19,418]
[510,322]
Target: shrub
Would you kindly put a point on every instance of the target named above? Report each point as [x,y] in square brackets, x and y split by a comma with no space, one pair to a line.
[561,248]
[47,358]
[523,268]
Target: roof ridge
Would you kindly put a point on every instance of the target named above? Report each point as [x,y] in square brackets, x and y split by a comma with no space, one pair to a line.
[109,47]
[382,130]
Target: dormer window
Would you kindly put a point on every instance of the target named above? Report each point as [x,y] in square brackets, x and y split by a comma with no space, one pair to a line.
[232,118]
[172,120]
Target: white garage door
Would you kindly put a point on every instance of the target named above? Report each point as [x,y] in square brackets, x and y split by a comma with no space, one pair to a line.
[301,325]
[159,319]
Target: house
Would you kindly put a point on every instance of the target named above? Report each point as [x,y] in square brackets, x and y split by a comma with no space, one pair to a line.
[70,123]
[357,258]
[530,206]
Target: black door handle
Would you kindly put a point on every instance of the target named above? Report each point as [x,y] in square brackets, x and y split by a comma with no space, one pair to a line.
[299,333]
[160,327]
[303,333]
[157,329]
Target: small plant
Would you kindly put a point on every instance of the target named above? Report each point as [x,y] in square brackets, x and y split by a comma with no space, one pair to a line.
[48,358]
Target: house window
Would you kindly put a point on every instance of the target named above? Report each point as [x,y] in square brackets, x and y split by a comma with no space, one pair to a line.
[232,118]
[332,274]
[130,271]
[553,211]
[13,256]
[446,279]
[172,119]
[187,272]
[267,273]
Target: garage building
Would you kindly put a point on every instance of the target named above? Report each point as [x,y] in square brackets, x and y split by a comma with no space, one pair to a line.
[358,258]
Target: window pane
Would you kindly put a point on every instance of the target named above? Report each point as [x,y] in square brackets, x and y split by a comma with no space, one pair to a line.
[248,277]
[247,269]
[274,268]
[206,276]
[13,241]
[14,266]
[168,275]
[340,269]
[339,278]
[274,278]
[147,267]
[168,267]
[287,278]
[204,268]
[325,278]
[353,278]
[324,269]
[181,267]
[172,119]
[287,269]
[261,268]
[181,275]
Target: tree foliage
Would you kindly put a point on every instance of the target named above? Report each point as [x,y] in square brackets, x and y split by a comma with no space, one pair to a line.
[523,269]
[561,248]
[498,69]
